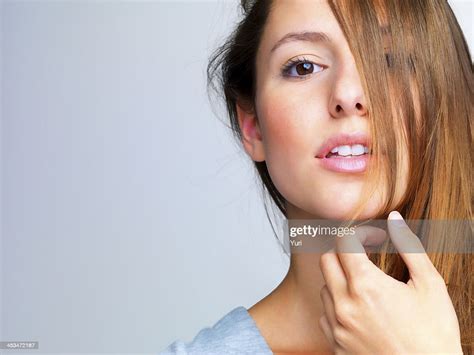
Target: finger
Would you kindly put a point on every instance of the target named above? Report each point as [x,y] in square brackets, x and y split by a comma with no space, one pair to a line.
[328,305]
[351,252]
[409,247]
[371,236]
[326,328]
[333,273]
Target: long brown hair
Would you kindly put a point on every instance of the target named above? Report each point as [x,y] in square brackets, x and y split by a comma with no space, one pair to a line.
[427,79]
[412,57]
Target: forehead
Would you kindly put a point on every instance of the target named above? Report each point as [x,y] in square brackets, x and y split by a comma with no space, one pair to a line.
[299,16]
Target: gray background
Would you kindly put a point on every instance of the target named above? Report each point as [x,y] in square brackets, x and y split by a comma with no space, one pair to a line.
[129,217]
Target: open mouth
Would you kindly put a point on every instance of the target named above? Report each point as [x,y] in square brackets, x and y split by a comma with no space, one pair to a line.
[349,151]
[345,164]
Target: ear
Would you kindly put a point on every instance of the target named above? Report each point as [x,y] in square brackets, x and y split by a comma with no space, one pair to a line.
[251,134]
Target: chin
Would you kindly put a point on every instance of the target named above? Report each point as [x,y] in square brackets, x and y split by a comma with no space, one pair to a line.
[340,207]
[338,201]
[340,213]
[334,201]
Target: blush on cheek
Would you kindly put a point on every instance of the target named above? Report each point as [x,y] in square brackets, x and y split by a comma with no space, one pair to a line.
[280,131]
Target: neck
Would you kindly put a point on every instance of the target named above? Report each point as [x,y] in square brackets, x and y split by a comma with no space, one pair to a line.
[288,317]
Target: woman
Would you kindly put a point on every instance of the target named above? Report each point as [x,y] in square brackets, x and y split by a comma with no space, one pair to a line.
[387,84]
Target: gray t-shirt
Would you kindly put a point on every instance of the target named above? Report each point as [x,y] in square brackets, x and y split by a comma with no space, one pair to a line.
[235,333]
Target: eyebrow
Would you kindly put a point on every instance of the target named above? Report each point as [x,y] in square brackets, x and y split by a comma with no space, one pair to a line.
[311,36]
[302,36]
[306,36]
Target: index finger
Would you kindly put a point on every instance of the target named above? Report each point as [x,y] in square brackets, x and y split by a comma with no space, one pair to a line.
[409,247]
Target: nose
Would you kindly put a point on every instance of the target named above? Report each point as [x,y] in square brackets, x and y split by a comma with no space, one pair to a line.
[347,97]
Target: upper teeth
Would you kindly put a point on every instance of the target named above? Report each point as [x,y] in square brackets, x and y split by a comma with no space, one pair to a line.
[355,149]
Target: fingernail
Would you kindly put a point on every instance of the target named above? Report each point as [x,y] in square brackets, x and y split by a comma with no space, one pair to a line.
[396,219]
[395,215]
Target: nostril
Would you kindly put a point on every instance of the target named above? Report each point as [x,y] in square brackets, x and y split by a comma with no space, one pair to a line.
[338,108]
[359,106]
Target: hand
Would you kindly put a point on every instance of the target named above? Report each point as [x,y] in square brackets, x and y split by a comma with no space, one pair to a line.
[369,312]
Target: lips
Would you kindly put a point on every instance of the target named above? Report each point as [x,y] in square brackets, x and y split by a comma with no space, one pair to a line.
[350,164]
[344,164]
[342,139]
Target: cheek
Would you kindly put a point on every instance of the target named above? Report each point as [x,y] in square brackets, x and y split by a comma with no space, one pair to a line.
[290,121]
[289,128]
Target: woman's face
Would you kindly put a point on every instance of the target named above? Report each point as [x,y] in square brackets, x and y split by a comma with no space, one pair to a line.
[302,106]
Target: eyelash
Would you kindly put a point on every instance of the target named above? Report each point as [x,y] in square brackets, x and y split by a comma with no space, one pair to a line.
[287,67]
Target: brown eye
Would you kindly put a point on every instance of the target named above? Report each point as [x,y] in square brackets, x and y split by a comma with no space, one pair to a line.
[300,68]
[304,68]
